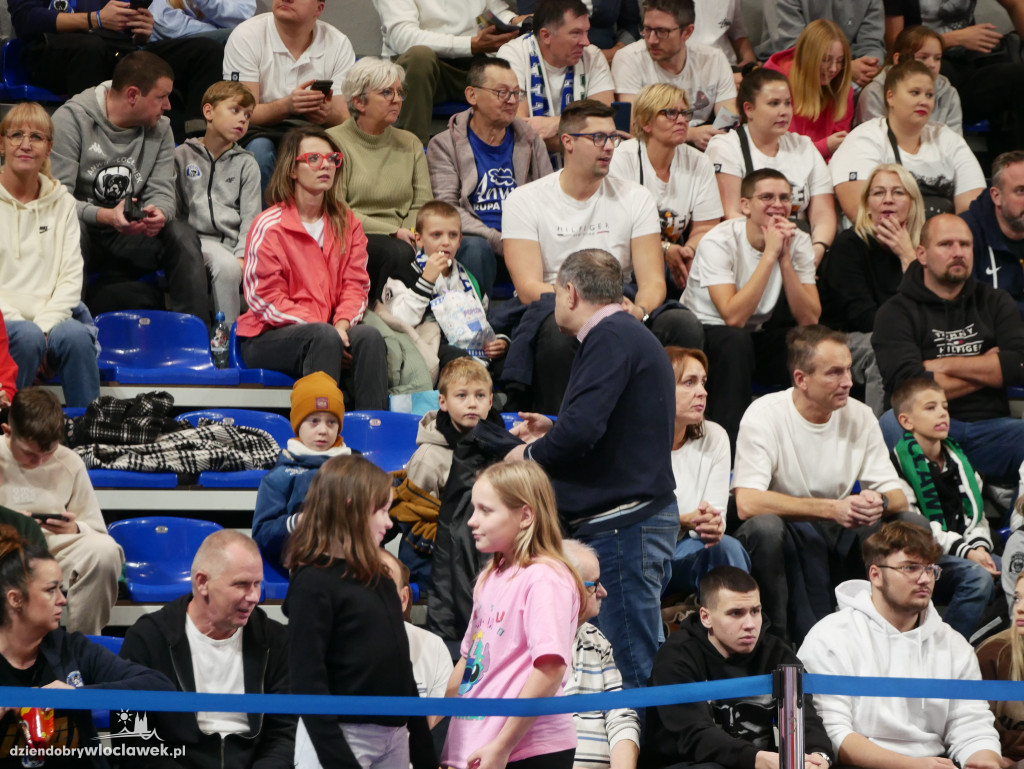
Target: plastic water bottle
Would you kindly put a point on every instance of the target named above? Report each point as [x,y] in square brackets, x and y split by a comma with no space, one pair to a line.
[219,340]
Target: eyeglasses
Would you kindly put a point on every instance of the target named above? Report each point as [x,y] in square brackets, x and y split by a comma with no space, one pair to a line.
[600,138]
[913,570]
[592,587]
[674,114]
[503,94]
[393,94]
[316,160]
[659,32]
[17,137]
[768,198]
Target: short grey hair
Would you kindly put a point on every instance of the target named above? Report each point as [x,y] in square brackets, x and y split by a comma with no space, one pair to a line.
[596,275]
[369,74]
[575,551]
[1001,163]
[211,555]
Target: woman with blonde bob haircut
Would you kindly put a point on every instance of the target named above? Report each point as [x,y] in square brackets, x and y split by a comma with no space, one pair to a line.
[866,265]
[819,74]
[41,269]
[680,178]
[526,606]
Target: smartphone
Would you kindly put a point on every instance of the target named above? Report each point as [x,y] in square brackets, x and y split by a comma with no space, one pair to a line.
[132,210]
[323,86]
[137,4]
[50,516]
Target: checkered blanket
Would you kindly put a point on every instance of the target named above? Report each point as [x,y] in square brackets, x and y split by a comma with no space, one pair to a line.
[129,421]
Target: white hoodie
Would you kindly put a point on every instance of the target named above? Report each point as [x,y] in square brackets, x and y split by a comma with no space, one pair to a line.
[40,256]
[857,641]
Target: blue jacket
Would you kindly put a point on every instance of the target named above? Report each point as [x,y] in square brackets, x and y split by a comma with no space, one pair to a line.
[279,501]
[994,263]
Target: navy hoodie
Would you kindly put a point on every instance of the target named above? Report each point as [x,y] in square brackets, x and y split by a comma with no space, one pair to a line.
[994,262]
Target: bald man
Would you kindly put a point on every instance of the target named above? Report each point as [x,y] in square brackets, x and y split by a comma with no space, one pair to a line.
[216,639]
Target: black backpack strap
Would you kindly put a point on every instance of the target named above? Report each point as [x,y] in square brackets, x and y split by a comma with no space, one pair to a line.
[748,162]
[894,144]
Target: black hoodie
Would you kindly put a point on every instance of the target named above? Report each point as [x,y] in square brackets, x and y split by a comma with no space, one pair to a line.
[726,732]
[917,325]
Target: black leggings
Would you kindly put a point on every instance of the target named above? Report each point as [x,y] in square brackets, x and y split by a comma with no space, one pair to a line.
[561,760]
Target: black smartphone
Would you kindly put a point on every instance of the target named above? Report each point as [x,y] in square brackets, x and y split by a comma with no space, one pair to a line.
[137,4]
[323,86]
[49,516]
[133,211]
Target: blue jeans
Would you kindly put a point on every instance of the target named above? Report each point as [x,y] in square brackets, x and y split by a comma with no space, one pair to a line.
[636,564]
[692,561]
[477,256]
[966,588]
[69,348]
[994,446]
[266,158]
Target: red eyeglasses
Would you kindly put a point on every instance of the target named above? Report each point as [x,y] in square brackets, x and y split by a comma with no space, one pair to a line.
[316,159]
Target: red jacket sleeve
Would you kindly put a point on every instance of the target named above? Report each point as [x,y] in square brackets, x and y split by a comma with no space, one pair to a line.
[8,368]
[354,290]
[265,276]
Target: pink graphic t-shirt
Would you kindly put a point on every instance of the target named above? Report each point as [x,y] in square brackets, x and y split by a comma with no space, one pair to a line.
[519,615]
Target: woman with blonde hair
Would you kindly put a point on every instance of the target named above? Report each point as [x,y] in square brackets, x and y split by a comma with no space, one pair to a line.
[526,605]
[819,74]
[41,269]
[680,178]
[1001,658]
[305,276]
[866,265]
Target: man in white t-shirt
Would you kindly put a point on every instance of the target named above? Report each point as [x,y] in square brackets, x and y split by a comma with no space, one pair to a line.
[741,269]
[216,639]
[279,56]
[719,24]
[664,56]
[556,65]
[435,42]
[577,208]
[799,454]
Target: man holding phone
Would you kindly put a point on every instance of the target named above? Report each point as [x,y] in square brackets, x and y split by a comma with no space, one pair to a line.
[71,45]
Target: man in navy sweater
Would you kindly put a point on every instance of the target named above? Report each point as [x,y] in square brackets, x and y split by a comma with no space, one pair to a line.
[608,454]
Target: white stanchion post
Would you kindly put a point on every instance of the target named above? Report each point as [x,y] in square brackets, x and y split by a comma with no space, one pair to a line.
[788,689]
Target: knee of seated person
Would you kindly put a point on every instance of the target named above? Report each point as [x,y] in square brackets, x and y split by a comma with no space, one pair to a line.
[323,335]
[97,557]
[679,327]
[764,528]
[26,334]
[418,62]
[367,338]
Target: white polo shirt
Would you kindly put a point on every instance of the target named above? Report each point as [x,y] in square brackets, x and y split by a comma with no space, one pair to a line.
[255,53]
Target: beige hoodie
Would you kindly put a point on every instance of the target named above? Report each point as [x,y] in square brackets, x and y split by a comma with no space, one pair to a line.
[40,256]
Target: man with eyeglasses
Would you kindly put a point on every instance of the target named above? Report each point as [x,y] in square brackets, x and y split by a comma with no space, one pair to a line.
[582,207]
[279,56]
[556,65]
[886,626]
[799,456]
[485,153]
[741,269]
[665,56]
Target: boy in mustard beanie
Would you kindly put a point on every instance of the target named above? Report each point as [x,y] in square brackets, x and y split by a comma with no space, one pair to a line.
[316,416]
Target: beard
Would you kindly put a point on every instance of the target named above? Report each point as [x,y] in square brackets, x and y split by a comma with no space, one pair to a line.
[1015,223]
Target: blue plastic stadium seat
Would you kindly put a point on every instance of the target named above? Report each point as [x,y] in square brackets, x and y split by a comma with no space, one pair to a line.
[511,419]
[158,553]
[158,347]
[261,376]
[275,424]
[275,582]
[1015,393]
[15,85]
[129,479]
[386,438]
[101,718]
[981,127]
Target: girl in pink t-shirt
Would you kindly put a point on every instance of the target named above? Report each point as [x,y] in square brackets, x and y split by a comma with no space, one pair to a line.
[519,641]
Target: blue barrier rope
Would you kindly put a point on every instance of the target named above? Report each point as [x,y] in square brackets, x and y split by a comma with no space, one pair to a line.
[732,688]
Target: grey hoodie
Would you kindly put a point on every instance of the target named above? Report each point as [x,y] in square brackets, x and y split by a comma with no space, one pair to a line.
[101,163]
[221,197]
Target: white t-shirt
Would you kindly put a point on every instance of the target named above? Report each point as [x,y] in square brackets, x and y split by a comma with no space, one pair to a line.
[431,661]
[255,53]
[689,194]
[701,469]
[609,219]
[217,667]
[446,27]
[706,76]
[779,450]
[591,73]
[725,256]
[943,161]
[797,158]
[717,23]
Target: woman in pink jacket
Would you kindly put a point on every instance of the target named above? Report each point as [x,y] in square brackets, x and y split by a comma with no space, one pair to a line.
[305,277]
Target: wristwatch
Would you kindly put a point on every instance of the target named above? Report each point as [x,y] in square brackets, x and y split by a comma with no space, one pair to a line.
[828,761]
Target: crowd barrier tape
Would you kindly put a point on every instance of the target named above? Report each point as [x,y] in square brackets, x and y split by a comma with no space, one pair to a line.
[189,702]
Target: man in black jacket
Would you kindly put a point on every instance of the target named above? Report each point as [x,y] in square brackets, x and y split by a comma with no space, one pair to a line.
[725,641]
[967,336]
[217,640]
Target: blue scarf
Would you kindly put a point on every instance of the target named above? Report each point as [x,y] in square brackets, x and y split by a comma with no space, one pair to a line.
[458,271]
[538,98]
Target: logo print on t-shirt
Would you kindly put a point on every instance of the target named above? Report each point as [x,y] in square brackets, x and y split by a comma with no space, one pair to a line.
[476,663]
[672,224]
[494,186]
[62,6]
[701,103]
[112,183]
[192,171]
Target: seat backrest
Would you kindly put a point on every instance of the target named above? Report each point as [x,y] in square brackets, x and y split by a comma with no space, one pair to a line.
[160,549]
[153,339]
[380,430]
[110,642]
[275,424]
[10,60]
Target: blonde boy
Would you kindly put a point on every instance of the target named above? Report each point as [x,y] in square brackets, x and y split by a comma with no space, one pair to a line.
[218,189]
